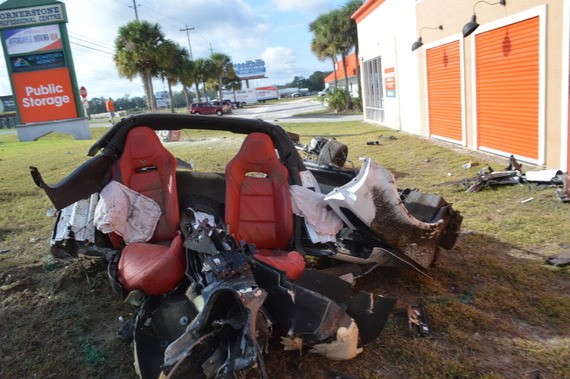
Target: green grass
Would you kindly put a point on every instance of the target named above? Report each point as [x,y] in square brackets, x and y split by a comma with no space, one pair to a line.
[496,310]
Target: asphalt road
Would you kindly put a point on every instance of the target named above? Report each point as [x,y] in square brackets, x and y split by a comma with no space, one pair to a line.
[295,111]
[291,111]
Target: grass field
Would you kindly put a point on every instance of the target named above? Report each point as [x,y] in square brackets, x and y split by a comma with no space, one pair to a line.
[496,309]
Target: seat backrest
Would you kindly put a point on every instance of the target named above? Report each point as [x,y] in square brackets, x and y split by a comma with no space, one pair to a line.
[147,167]
[258,204]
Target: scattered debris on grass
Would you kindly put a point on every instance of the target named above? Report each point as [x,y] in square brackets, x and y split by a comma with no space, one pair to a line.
[418,322]
[513,174]
[487,177]
[564,193]
[559,260]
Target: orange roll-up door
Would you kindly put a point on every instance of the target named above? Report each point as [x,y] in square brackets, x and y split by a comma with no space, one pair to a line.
[444,91]
[507,88]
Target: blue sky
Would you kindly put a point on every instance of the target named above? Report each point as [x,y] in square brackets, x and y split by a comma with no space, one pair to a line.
[276,31]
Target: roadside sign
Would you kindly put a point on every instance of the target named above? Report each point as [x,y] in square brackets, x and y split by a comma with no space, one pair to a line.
[83,92]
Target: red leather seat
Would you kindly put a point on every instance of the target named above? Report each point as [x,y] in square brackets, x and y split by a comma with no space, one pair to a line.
[145,166]
[258,204]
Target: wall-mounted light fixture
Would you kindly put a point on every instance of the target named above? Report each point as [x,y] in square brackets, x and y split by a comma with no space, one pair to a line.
[472,24]
[416,45]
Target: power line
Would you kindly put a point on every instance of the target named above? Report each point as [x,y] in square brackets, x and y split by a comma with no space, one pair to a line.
[114,10]
[158,10]
[89,47]
[92,42]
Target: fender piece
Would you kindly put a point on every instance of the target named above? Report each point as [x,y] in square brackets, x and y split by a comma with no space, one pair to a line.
[87,179]
[371,202]
[370,312]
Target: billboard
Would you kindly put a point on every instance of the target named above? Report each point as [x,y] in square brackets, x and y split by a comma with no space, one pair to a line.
[250,69]
[162,99]
[7,104]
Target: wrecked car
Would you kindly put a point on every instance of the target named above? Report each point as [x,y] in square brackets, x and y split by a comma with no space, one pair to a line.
[218,263]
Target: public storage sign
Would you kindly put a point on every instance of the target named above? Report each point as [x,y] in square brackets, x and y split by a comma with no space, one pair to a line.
[45,95]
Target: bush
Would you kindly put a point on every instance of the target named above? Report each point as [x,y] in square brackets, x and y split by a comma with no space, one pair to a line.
[357,103]
[336,100]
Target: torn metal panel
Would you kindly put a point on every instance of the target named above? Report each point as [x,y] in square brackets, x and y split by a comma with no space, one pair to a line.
[369,311]
[378,256]
[298,310]
[494,178]
[224,336]
[514,165]
[488,177]
[156,327]
[76,221]
[87,179]
[543,176]
[372,200]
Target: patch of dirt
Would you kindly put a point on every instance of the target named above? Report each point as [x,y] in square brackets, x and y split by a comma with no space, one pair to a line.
[61,321]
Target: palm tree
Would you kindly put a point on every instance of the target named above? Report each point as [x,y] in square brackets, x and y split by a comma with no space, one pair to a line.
[335,34]
[187,78]
[339,28]
[136,53]
[171,64]
[223,68]
[348,9]
[321,44]
[204,70]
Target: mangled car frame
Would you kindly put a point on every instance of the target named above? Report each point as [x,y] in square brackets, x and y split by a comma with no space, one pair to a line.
[216,262]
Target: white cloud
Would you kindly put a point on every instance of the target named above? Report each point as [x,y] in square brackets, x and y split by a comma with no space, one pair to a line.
[280,62]
[280,58]
[301,6]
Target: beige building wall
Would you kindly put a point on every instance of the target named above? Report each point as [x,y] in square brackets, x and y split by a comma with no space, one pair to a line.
[388,33]
[454,14]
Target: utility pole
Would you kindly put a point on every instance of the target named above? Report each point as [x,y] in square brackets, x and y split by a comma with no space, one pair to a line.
[187,30]
[211,49]
[135,7]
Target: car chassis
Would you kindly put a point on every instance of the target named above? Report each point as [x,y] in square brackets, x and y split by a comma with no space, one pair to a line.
[220,313]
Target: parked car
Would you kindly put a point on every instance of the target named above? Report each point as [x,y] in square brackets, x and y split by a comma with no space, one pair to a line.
[226,105]
[214,262]
[233,105]
[296,94]
[206,108]
[324,92]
